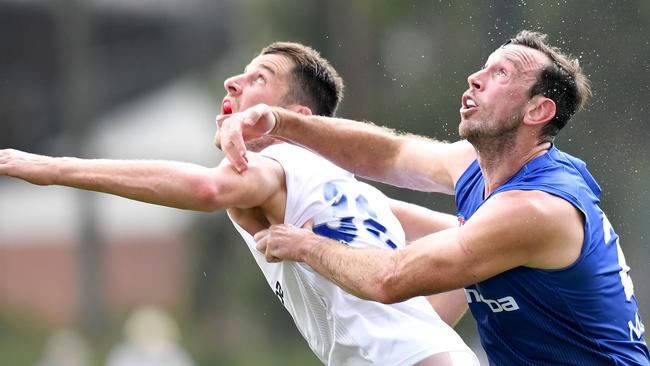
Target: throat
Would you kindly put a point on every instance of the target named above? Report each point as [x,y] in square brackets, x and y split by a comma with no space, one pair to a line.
[498,168]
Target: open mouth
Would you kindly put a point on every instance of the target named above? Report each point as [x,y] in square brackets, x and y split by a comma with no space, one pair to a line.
[226,107]
[467,103]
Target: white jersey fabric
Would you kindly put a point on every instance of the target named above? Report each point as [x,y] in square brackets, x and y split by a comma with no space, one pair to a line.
[342,329]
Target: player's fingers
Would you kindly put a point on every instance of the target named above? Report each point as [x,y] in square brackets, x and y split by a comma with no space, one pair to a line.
[251,116]
[260,235]
[6,156]
[260,115]
[232,144]
[260,246]
[239,148]
[272,259]
[270,253]
[220,118]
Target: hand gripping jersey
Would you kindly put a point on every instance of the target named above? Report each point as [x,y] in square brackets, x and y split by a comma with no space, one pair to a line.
[585,314]
[342,329]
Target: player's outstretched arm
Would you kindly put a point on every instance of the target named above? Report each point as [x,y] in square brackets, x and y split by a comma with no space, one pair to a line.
[167,183]
[367,150]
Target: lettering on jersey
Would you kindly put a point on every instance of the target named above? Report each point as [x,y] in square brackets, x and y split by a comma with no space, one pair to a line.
[506,303]
[637,329]
[279,292]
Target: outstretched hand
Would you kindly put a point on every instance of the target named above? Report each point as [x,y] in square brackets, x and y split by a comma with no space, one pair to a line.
[285,242]
[29,167]
[237,128]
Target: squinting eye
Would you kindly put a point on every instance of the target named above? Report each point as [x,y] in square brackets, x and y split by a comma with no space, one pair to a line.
[260,79]
[500,72]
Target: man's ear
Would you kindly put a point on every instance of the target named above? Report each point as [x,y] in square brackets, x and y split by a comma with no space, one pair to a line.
[539,110]
[298,108]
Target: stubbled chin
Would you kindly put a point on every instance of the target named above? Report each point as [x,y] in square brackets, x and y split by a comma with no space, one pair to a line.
[463,128]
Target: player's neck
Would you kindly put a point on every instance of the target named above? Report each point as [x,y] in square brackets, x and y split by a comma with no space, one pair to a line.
[498,166]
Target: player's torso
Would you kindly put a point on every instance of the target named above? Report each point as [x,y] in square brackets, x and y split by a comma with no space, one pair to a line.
[337,325]
[584,314]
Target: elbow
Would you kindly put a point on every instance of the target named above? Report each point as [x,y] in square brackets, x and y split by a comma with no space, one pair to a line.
[208,195]
[387,289]
[384,292]
[384,297]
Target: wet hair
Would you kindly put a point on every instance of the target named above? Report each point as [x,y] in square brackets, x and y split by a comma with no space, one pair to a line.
[316,84]
[562,81]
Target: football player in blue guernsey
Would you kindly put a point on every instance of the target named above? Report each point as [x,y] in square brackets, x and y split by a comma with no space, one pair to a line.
[542,267]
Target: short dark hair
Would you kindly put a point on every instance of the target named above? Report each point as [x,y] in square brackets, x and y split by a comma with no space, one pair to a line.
[317,85]
[562,81]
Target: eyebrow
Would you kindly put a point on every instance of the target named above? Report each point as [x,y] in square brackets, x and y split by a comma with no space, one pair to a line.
[514,63]
[263,66]
[509,60]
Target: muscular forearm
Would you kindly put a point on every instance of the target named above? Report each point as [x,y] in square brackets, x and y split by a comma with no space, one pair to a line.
[361,148]
[167,183]
[360,272]
[431,265]
[366,150]
[174,184]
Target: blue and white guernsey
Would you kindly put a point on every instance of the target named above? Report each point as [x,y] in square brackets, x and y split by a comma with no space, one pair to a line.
[342,329]
[585,314]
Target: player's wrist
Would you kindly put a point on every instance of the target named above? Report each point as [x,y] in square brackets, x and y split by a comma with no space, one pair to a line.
[312,251]
[275,129]
[59,169]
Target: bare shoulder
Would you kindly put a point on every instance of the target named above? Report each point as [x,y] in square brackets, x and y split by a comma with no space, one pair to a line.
[260,168]
[535,204]
[261,185]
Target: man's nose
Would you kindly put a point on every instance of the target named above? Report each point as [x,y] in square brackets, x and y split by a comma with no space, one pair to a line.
[475,81]
[233,85]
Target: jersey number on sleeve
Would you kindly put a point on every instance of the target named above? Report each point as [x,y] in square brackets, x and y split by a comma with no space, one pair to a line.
[636,326]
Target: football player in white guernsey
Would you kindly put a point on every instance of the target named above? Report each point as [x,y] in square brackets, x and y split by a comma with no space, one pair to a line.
[288,184]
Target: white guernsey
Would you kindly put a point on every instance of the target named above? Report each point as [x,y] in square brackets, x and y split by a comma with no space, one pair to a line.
[342,329]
